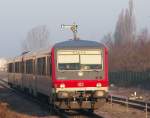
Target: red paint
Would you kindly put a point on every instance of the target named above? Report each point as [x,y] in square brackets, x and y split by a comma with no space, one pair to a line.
[106,63]
[53,66]
[87,83]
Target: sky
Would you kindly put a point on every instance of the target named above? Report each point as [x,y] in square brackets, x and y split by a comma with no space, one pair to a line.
[94,17]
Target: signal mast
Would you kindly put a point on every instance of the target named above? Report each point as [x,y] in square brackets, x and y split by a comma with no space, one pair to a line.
[73,28]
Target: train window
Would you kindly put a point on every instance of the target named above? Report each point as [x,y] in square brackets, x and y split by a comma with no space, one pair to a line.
[19,70]
[22,67]
[29,66]
[90,62]
[49,66]
[34,66]
[41,66]
[86,60]
[68,62]
[16,67]
[10,67]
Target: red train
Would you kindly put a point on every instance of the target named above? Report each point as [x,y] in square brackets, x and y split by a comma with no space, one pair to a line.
[72,75]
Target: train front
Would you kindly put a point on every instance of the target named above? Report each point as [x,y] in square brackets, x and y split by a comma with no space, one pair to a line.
[80,75]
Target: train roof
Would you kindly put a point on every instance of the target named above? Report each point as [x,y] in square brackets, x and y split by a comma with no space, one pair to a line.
[78,44]
[64,44]
[43,51]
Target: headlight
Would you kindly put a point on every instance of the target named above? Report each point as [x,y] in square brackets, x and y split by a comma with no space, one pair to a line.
[99,93]
[62,85]
[98,84]
[62,95]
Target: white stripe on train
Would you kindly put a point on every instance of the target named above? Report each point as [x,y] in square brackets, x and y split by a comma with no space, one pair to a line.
[82,89]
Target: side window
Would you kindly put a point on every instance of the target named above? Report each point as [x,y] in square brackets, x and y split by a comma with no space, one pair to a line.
[41,66]
[22,67]
[10,67]
[49,66]
[34,66]
[29,66]
[16,67]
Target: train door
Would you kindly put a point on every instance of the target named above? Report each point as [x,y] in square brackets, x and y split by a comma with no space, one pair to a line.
[43,80]
[28,75]
[34,81]
[31,76]
[11,73]
[22,73]
[49,74]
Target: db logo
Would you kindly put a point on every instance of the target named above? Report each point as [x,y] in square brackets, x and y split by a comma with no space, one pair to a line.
[80,84]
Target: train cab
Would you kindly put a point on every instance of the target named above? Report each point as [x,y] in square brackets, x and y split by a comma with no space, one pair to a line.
[80,70]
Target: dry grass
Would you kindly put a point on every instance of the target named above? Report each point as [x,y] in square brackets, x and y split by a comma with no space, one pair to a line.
[5,112]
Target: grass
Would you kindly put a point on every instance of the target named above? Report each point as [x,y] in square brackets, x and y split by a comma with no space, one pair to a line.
[5,112]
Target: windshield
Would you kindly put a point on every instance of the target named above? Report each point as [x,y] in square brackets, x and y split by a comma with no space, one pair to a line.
[79,59]
[68,62]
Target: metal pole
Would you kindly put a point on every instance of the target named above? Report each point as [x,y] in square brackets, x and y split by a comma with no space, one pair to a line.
[111,100]
[74,28]
[75,35]
[127,104]
[146,111]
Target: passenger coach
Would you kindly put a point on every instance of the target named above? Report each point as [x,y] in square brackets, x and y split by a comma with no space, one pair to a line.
[72,75]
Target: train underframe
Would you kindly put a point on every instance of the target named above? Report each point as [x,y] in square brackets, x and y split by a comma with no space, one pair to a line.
[81,101]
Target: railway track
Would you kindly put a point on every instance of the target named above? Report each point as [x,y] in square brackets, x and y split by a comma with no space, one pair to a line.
[77,114]
[53,111]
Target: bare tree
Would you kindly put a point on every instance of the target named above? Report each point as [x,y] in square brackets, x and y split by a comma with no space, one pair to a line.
[126,26]
[118,35]
[121,56]
[36,38]
[108,40]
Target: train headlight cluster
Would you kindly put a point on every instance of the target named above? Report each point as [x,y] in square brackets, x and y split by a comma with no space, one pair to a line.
[62,85]
[99,93]
[62,95]
[98,85]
